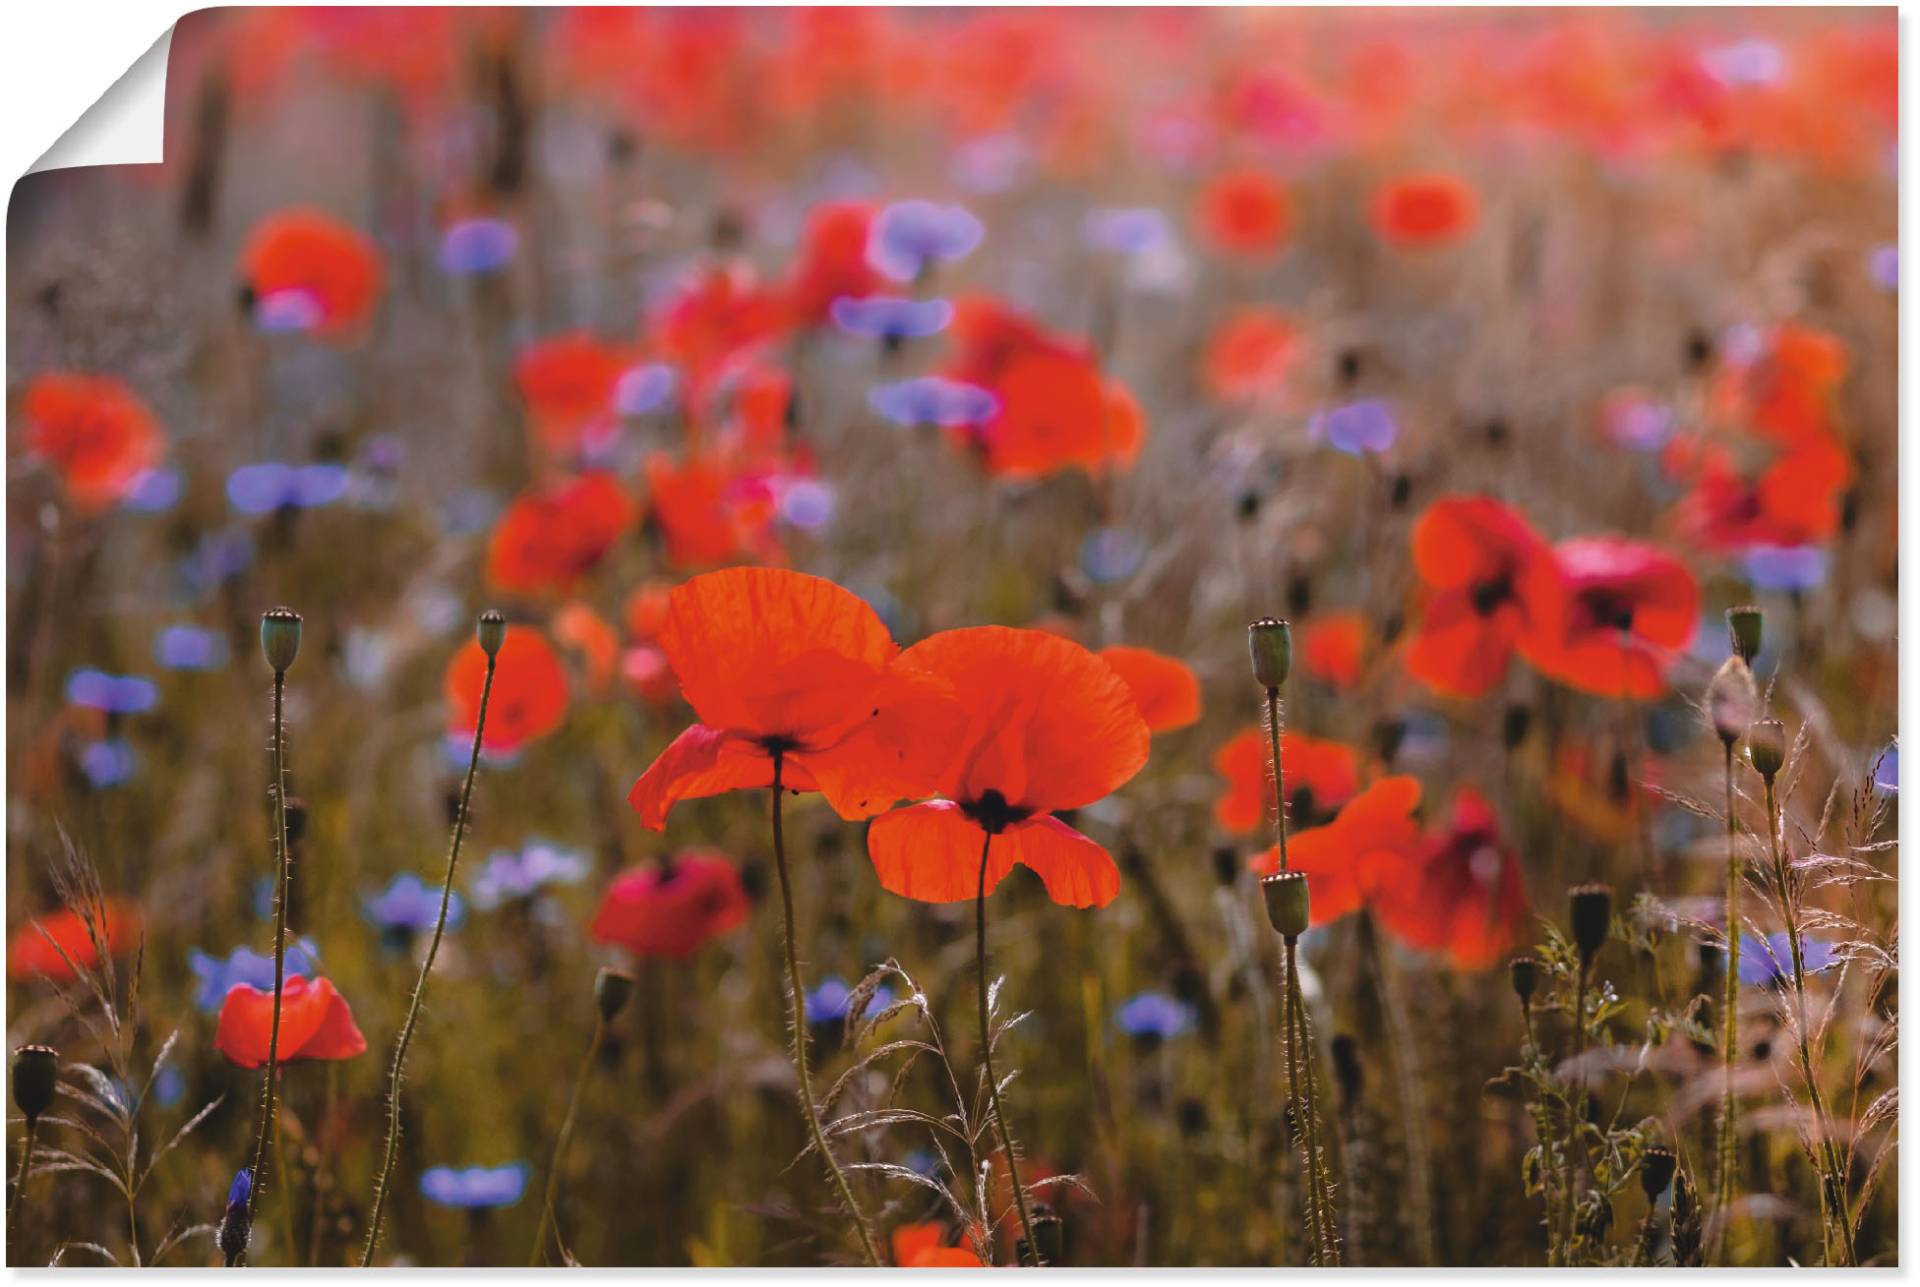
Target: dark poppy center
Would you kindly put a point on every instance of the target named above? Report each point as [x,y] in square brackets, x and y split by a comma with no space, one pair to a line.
[1491,593]
[992,812]
[1608,611]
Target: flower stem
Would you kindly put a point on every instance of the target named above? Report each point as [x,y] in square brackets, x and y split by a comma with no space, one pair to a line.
[797,1020]
[565,1137]
[20,1181]
[1730,1022]
[282,881]
[385,1184]
[1576,1110]
[986,1055]
[1279,781]
[1413,1101]
[1302,1113]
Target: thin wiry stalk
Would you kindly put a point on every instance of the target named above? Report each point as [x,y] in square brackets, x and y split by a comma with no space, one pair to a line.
[384,1186]
[1730,1034]
[1302,1113]
[20,1182]
[1279,784]
[797,1020]
[280,889]
[986,1056]
[1322,1179]
[565,1137]
[1576,1108]
[1413,1101]
[1837,1224]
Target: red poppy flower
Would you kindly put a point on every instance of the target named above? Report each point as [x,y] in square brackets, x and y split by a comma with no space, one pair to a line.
[1036,724]
[1794,501]
[30,955]
[703,514]
[95,433]
[1361,856]
[1163,687]
[529,697]
[1422,210]
[1629,607]
[1463,893]
[645,611]
[1246,213]
[1334,648]
[1790,391]
[315,1023]
[568,384]
[1489,579]
[832,262]
[309,271]
[550,537]
[716,320]
[674,907]
[585,634]
[1321,776]
[924,1246]
[776,663]
[1250,357]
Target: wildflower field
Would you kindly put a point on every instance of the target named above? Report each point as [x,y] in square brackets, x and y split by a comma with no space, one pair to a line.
[961,637]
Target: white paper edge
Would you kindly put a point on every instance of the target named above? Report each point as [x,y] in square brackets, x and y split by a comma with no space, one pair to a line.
[126,125]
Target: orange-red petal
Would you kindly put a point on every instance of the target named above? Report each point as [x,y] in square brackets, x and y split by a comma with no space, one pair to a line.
[1163,687]
[932,852]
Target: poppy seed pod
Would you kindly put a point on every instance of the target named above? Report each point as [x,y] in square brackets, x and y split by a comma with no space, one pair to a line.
[611,988]
[1767,746]
[1731,700]
[1271,644]
[1744,631]
[1525,974]
[492,632]
[1288,906]
[36,1071]
[280,638]
[1592,913]
[1048,1232]
[1656,1171]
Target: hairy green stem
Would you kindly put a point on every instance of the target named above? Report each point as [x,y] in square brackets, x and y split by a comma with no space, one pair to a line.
[1279,781]
[797,1017]
[1576,1111]
[1730,1024]
[20,1182]
[281,885]
[385,1184]
[1413,1100]
[1300,1091]
[565,1137]
[986,1056]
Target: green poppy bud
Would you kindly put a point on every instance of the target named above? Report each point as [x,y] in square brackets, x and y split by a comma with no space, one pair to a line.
[1271,643]
[1592,914]
[492,631]
[1731,700]
[1288,906]
[1656,1171]
[1743,631]
[36,1071]
[1767,746]
[611,988]
[280,638]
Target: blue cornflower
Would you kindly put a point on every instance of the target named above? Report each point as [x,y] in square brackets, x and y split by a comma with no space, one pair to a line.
[1129,230]
[241,1189]
[1767,961]
[235,1229]
[115,694]
[216,976]
[1786,567]
[107,762]
[476,1187]
[890,317]
[646,388]
[264,488]
[189,648]
[1154,1015]
[220,556]
[154,492]
[1886,777]
[907,234]
[1358,427]
[1883,265]
[169,1086]
[806,503]
[930,400]
[470,247]
[409,906]
[1110,554]
[830,1002]
[507,875]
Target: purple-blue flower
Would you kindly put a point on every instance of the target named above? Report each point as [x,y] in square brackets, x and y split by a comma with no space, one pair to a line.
[891,317]
[408,904]
[189,648]
[115,694]
[507,875]
[1883,265]
[645,389]
[1786,567]
[241,1189]
[1769,960]
[1886,774]
[288,312]
[1110,554]
[830,1002]
[907,234]
[473,246]
[155,492]
[264,488]
[215,977]
[1127,230]
[931,400]
[1358,427]
[107,762]
[806,503]
[475,1187]
[1154,1014]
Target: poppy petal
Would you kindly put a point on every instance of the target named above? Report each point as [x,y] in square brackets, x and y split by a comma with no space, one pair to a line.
[706,761]
[932,852]
[1163,688]
[1078,872]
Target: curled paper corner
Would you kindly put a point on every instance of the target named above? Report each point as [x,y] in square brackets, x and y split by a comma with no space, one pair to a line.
[126,125]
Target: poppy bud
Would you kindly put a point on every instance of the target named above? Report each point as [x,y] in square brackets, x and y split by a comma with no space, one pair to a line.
[1743,631]
[492,632]
[1656,1171]
[1731,701]
[236,1229]
[1767,746]
[1592,913]
[1513,729]
[1226,864]
[1288,906]
[1346,1065]
[1049,1232]
[280,638]
[1271,644]
[611,988]
[1525,973]
[1387,736]
[36,1071]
